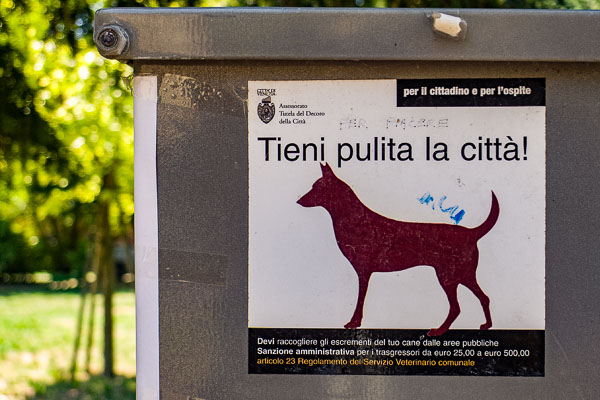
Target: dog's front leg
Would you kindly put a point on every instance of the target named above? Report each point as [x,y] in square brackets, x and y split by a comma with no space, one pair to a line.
[363,283]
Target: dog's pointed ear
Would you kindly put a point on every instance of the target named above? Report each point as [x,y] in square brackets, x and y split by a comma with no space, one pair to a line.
[326,169]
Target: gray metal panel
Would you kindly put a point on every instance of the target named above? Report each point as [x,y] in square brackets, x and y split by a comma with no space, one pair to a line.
[351,34]
[202,149]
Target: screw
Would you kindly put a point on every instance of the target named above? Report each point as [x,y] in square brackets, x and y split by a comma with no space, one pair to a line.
[108,37]
[112,41]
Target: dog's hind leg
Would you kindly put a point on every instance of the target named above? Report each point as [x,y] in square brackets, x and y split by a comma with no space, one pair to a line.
[356,320]
[450,289]
[473,286]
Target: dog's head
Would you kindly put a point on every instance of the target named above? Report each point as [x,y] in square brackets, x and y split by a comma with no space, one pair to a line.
[324,190]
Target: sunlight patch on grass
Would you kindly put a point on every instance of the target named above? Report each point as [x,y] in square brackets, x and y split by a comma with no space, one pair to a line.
[37,334]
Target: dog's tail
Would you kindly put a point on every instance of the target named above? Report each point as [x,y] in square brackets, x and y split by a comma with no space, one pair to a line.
[490,221]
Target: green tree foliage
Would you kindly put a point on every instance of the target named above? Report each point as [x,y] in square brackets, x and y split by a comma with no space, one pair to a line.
[66,141]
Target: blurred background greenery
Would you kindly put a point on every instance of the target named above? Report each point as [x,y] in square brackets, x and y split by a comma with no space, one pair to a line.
[66,194]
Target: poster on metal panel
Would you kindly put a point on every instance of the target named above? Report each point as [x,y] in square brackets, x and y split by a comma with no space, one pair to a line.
[397,227]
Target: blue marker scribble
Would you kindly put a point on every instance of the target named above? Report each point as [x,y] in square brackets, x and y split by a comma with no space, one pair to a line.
[456,214]
[426,199]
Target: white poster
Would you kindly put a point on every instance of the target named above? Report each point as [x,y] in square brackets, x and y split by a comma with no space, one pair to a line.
[397,204]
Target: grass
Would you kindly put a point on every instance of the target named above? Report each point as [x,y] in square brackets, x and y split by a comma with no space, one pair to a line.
[37,334]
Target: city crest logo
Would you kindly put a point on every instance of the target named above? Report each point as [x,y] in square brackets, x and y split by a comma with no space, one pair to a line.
[266,109]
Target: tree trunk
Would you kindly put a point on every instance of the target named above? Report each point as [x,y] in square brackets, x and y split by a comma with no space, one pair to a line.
[96,270]
[108,283]
[107,272]
[79,327]
[83,294]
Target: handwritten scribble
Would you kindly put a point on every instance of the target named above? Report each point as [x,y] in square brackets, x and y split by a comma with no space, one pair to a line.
[455,213]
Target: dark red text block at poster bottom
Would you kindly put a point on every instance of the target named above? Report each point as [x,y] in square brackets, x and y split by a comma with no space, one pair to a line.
[395,352]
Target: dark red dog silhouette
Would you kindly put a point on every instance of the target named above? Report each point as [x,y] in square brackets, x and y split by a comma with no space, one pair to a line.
[374,243]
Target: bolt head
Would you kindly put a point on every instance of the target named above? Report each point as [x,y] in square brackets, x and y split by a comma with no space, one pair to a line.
[108,37]
[112,41]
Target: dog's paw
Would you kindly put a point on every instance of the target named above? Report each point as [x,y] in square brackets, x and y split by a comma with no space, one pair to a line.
[352,325]
[436,332]
[486,326]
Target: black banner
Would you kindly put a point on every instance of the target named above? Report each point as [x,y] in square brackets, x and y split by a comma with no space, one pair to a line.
[502,92]
[395,352]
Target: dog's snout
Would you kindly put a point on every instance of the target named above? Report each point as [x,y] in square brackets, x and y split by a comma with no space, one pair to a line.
[302,201]
[305,201]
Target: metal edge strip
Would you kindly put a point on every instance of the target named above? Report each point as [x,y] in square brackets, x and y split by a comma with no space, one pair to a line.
[146,238]
[350,34]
